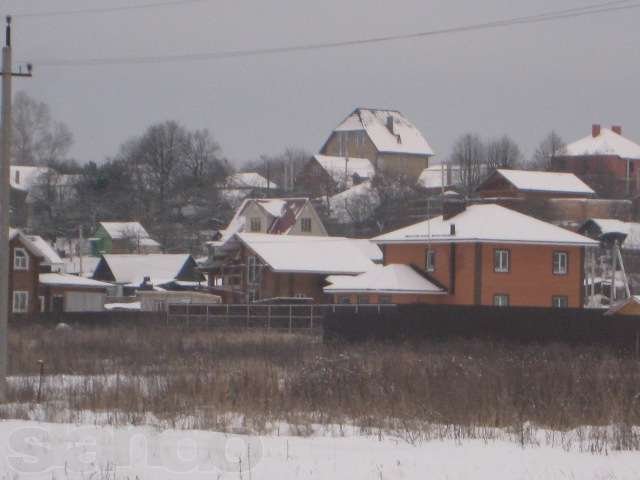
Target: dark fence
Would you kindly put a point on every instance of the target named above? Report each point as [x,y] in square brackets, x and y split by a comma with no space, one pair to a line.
[527,325]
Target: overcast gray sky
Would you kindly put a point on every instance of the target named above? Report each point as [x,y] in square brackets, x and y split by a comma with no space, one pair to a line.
[522,80]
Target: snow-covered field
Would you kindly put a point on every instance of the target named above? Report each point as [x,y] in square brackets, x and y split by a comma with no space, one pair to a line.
[33,450]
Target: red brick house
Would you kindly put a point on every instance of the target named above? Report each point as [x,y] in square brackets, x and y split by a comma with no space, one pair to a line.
[478,255]
[606,160]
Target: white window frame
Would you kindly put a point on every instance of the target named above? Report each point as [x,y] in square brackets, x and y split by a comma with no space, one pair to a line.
[560,268]
[17,307]
[430,260]
[501,260]
[42,304]
[18,265]
[501,300]
[555,301]
[252,275]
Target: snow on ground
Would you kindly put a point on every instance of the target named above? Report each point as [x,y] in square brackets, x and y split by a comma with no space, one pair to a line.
[32,450]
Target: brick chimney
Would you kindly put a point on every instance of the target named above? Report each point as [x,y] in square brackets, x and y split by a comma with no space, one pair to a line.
[617,129]
[595,130]
[390,124]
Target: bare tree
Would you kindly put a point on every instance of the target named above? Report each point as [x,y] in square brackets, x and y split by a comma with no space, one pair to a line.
[503,153]
[469,155]
[37,138]
[281,169]
[552,146]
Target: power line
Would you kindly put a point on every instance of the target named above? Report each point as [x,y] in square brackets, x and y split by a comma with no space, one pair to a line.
[593,9]
[57,13]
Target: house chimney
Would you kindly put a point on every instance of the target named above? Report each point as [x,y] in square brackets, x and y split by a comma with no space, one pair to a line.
[390,124]
[595,130]
[617,129]
[452,207]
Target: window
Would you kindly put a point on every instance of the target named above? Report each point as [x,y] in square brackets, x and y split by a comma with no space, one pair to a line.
[305,225]
[20,259]
[363,299]
[20,302]
[559,301]
[385,300]
[560,263]
[501,261]
[344,300]
[251,269]
[430,260]
[42,305]
[256,225]
[501,300]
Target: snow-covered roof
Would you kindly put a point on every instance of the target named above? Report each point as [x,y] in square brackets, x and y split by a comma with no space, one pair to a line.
[545,181]
[63,280]
[89,264]
[308,254]
[437,176]
[630,229]
[405,137]
[607,142]
[132,269]
[388,279]
[283,212]
[122,230]
[249,180]
[487,223]
[341,167]
[354,203]
[24,239]
[47,252]
[24,177]
[370,249]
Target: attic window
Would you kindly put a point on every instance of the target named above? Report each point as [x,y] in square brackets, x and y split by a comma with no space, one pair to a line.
[17,177]
[305,225]
[256,225]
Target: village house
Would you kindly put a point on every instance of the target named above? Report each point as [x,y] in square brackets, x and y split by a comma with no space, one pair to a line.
[476,255]
[130,272]
[276,216]
[528,185]
[24,268]
[324,175]
[607,161]
[59,292]
[239,186]
[122,237]
[385,137]
[266,267]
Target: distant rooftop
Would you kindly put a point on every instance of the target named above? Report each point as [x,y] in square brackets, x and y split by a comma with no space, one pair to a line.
[389,130]
[603,141]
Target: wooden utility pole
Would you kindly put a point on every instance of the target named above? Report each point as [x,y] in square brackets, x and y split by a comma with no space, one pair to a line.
[5,199]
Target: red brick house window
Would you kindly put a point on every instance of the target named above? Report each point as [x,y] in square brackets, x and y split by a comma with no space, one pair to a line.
[560,263]
[20,259]
[502,261]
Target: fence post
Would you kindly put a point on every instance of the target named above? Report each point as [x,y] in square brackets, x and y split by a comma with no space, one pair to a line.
[247,317]
[207,315]
[290,318]
[268,317]
[188,312]
[637,344]
[311,323]
[227,314]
